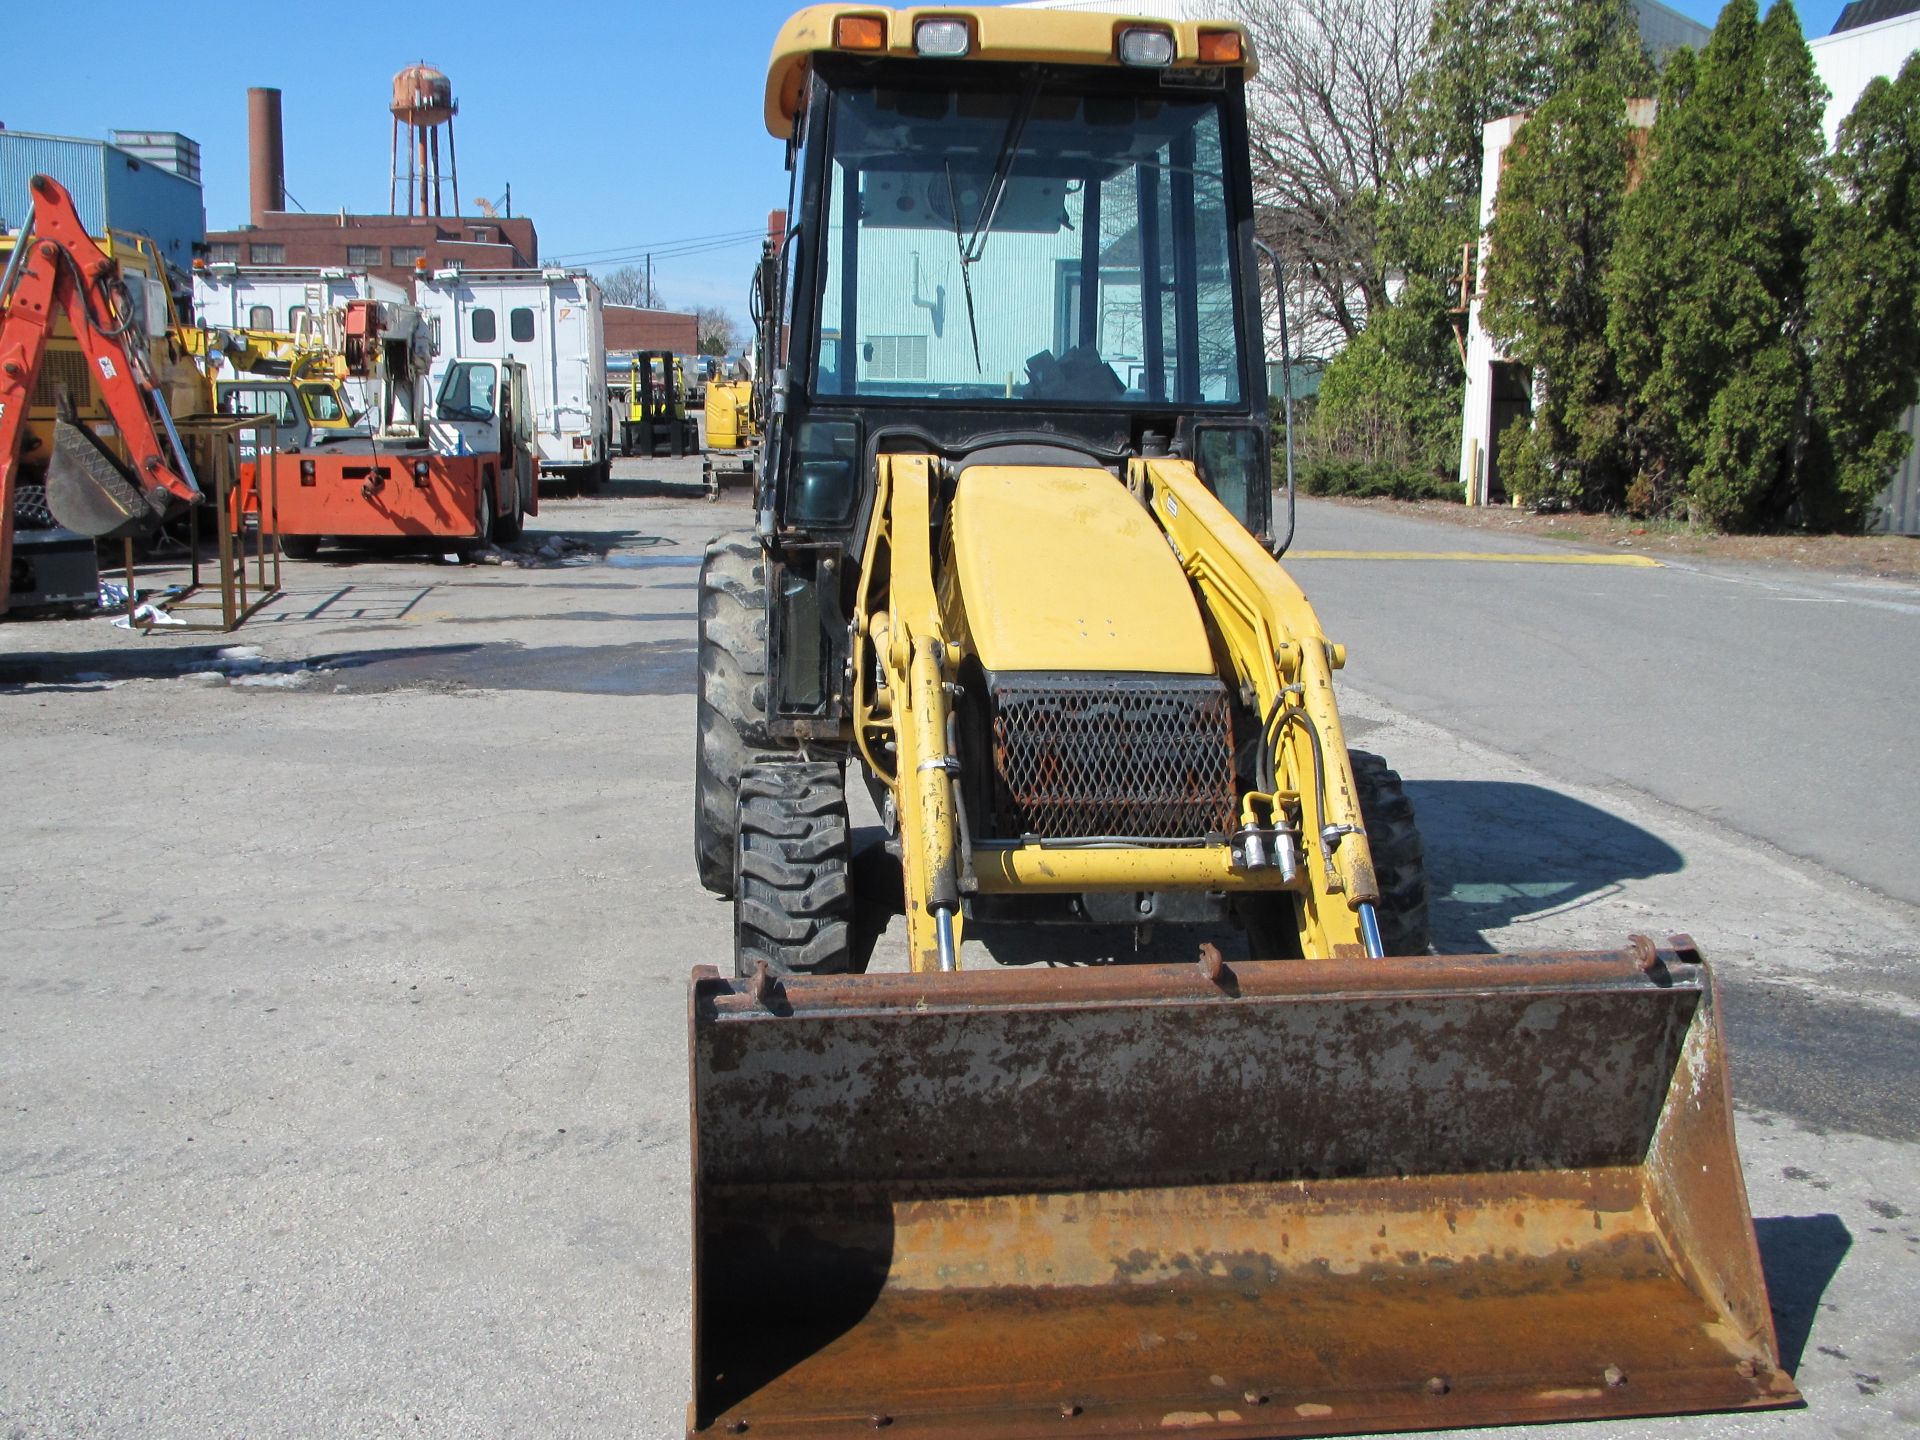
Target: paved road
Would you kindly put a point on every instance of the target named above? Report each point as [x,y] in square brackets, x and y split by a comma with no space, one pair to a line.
[1786,706]
[342,994]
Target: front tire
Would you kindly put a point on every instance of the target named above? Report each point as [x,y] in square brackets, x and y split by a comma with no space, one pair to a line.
[792,900]
[299,547]
[732,714]
[1399,858]
[489,517]
[507,527]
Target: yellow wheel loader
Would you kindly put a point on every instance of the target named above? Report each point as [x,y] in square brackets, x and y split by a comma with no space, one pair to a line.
[1014,566]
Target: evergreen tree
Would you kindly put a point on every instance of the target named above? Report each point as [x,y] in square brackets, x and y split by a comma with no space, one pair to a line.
[1709,282]
[1864,286]
[1549,254]
[1483,59]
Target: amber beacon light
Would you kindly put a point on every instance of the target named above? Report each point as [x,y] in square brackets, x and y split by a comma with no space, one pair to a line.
[860,32]
[1221,47]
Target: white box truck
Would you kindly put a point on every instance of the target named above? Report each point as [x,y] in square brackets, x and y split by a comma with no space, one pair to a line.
[550,321]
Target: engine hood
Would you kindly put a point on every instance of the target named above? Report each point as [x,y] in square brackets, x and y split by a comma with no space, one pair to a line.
[1060,568]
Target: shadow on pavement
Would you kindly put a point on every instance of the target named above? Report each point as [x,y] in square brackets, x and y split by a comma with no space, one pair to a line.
[90,669]
[1800,1255]
[1498,850]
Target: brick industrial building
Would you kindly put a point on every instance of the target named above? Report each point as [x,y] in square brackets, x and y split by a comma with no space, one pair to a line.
[629,328]
[390,246]
[394,247]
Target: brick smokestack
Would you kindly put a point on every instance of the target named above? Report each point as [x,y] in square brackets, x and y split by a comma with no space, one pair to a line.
[267,169]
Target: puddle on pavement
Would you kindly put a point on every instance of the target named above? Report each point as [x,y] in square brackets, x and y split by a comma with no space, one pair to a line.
[650,562]
[641,667]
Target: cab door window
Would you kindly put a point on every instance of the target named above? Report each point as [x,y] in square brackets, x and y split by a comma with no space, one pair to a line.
[468,392]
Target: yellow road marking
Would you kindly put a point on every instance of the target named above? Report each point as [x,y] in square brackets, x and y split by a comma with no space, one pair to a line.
[1511,556]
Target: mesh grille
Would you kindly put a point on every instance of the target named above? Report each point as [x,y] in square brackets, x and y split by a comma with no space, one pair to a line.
[63,369]
[1112,755]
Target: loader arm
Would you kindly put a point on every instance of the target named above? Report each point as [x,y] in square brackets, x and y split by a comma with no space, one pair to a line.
[917,658]
[59,270]
[1276,650]
[1274,643]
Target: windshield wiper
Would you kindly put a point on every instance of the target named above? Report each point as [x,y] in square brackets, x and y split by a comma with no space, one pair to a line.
[966,270]
[975,245]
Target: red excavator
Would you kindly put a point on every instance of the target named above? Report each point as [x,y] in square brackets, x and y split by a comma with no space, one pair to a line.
[106,485]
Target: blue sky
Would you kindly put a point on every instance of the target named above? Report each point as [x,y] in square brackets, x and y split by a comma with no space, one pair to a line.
[622,128]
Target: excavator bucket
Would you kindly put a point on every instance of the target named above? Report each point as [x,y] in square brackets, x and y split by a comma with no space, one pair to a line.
[89,491]
[1273,1199]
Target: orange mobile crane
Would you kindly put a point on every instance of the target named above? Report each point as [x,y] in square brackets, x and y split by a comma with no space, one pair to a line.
[456,471]
[56,268]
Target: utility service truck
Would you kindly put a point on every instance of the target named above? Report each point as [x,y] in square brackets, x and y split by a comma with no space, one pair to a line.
[550,322]
[444,457]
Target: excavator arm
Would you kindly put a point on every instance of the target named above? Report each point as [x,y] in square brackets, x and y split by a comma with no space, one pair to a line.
[57,269]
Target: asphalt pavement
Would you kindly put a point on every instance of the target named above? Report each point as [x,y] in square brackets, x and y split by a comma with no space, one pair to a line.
[1784,705]
[342,978]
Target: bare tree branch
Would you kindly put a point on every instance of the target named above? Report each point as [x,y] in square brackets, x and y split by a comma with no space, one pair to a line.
[629,285]
[1333,73]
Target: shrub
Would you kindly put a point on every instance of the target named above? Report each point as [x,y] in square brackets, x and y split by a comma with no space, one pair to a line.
[1364,479]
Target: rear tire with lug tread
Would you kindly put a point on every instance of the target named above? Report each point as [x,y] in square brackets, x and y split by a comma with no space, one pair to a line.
[299,547]
[732,714]
[1399,859]
[793,897]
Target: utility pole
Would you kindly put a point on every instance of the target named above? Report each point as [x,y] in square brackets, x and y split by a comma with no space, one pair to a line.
[649,295]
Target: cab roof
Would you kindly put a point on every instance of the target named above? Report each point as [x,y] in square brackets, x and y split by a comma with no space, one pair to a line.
[1062,37]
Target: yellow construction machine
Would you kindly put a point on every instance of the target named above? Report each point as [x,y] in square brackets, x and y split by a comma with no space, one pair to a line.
[1014,564]
[732,436]
[294,378]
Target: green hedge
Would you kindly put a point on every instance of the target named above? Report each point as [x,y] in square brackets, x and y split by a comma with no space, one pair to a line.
[1358,478]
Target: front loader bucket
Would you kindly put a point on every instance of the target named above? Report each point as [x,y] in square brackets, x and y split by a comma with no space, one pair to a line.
[1282,1198]
[89,490]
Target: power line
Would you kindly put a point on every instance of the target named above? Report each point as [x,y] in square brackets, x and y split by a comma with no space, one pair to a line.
[682,254]
[638,248]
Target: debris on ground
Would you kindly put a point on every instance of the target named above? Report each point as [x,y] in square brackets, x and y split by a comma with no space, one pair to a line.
[540,552]
[248,666]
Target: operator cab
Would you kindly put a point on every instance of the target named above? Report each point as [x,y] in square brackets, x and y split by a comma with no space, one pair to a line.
[990,251]
[481,408]
[1011,249]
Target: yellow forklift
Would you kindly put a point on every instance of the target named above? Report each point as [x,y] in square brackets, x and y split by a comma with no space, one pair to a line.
[657,421]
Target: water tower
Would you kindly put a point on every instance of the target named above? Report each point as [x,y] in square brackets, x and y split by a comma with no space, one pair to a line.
[423,102]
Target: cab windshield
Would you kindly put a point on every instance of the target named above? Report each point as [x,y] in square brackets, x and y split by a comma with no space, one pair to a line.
[468,392]
[323,406]
[1026,245]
